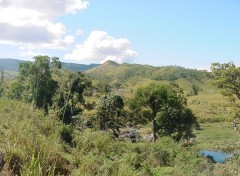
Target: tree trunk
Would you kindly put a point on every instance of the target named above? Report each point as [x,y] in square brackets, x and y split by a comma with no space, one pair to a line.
[102,123]
[154,130]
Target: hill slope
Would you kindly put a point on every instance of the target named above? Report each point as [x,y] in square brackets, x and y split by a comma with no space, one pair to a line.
[10,64]
[13,64]
[111,71]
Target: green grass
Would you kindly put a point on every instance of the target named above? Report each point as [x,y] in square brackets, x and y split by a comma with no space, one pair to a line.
[210,108]
[217,136]
[31,145]
[29,141]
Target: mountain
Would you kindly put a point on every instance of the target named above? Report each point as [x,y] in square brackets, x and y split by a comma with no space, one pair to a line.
[10,64]
[77,67]
[13,64]
[111,71]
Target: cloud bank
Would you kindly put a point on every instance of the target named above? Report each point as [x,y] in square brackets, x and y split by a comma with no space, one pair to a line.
[31,22]
[100,47]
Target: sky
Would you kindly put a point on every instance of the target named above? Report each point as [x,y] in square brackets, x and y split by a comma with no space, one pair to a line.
[188,33]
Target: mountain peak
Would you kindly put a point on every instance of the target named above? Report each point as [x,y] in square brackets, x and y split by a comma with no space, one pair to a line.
[110,62]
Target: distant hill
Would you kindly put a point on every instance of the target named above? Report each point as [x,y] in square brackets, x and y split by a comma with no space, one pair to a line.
[111,71]
[10,64]
[125,79]
[78,67]
[13,64]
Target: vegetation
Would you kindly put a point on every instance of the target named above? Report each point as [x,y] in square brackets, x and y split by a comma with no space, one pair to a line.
[169,114]
[110,112]
[2,83]
[58,122]
[69,100]
[36,81]
[111,71]
[13,65]
[227,77]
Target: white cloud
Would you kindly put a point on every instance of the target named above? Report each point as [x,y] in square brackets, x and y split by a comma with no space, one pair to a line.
[79,32]
[32,22]
[29,50]
[100,47]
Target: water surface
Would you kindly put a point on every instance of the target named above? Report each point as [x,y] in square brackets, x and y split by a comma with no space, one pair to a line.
[218,156]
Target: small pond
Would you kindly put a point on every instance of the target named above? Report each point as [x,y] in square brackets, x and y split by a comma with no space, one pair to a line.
[217,156]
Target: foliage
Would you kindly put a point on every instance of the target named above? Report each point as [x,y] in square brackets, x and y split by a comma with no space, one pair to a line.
[97,153]
[227,76]
[195,89]
[33,143]
[31,146]
[66,133]
[173,73]
[69,100]
[110,72]
[103,87]
[16,91]
[29,141]
[36,81]
[170,114]
[110,112]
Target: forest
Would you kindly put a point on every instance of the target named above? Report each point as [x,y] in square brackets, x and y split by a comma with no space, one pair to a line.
[118,119]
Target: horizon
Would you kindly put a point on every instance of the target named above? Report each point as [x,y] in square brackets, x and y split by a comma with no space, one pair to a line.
[187,34]
[114,62]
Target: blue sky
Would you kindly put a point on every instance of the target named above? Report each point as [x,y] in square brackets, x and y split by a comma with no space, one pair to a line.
[187,33]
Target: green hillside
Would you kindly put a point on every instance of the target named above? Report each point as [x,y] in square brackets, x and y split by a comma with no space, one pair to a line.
[10,64]
[131,76]
[13,65]
[111,71]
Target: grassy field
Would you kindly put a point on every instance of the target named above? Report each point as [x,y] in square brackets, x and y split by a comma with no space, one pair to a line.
[210,108]
[217,136]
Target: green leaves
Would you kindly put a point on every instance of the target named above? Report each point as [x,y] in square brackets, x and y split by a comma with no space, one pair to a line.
[37,83]
[110,111]
[69,99]
[227,76]
[169,109]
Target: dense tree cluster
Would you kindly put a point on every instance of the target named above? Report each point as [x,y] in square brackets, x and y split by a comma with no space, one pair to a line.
[169,112]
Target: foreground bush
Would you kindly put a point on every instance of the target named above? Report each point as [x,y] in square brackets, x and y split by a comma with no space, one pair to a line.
[29,142]
[32,144]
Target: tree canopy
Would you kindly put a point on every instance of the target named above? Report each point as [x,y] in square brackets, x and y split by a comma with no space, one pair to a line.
[110,112]
[36,81]
[69,98]
[227,76]
[168,105]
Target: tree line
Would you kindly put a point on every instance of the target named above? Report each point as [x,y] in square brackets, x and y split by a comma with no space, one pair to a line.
[42,84]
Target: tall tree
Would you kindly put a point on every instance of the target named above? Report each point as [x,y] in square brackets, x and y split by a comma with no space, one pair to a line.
[227,77]
[69,100]
[169,109]
[36,78]
[110,112]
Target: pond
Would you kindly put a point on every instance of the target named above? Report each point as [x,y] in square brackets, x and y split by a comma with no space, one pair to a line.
[217,156]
